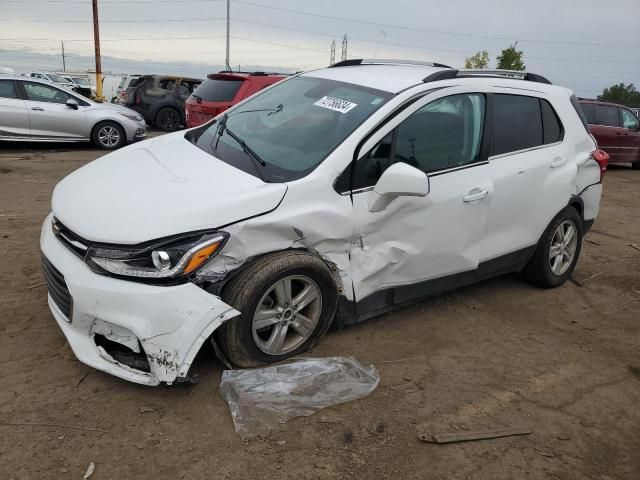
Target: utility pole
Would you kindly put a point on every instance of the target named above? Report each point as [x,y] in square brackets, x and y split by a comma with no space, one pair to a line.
[227,57]
[332,58]
[96,43]
[344,47]
[64,65]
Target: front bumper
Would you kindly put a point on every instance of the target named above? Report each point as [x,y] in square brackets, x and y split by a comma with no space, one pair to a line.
[167,324]
[135,130]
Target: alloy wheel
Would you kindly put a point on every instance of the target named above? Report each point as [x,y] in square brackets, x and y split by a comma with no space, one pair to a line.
[287,315]
[563,247]
[109,136]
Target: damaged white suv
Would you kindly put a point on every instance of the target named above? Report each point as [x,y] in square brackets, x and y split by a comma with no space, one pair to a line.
[330,197]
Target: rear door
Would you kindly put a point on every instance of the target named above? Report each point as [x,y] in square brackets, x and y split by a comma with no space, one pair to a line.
[630,136]
[49,116]
[608,131]
[531,173]
[14,116]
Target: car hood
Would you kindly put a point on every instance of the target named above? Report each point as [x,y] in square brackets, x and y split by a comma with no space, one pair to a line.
[115,107]
[157,188]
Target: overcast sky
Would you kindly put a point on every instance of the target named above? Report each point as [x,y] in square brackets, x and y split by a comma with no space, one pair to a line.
[583,44]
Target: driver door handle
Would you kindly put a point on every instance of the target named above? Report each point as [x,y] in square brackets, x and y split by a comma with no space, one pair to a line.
[475,194]
[39,109]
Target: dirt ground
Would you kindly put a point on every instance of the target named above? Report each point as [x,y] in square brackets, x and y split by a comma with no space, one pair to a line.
[498,354]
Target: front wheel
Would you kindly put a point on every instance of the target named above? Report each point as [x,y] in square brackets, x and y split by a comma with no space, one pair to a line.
[557,253]
[287,302]
[108,136]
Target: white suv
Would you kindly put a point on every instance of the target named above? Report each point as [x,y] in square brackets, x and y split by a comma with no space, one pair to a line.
[327,198]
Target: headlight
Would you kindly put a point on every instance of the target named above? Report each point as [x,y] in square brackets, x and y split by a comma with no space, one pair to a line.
[177,258]
[132,116]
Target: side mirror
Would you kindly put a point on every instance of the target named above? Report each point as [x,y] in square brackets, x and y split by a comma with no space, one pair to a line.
[399,180]
[71,103]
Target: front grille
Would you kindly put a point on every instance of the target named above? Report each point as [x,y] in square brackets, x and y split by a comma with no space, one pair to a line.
[73,242]
[57,288]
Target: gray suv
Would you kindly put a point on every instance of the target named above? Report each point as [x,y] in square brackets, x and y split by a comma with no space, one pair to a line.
[40,111]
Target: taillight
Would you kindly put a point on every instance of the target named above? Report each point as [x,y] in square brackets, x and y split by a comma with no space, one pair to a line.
[602,158]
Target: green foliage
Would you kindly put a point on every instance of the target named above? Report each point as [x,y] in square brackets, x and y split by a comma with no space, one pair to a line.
[623,94]
[478,61]
[511,59]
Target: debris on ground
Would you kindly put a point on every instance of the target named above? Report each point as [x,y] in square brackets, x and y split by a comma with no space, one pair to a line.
[467,436]
[262,398]
[146,409]
[633,245]
[90,469]
[635,370]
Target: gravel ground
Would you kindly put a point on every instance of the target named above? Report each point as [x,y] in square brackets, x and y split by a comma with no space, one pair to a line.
[498,354]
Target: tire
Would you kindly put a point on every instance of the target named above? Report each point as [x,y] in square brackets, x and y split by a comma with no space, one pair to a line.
[541,270]
[168,119]
[257,288]
[636,165]
[108,136]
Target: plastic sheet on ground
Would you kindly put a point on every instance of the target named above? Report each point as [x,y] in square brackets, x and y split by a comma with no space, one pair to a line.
[261,398]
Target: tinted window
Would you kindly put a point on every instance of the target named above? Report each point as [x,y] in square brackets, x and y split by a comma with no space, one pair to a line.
[629,120]
[517,123]
[7,89]
[589,110]
[218,90]
[552,129]
[607,115]
[38,92]
[443,134]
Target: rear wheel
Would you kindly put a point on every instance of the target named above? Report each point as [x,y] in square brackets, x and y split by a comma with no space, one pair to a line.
[108,136]
[557,253]
[287,302]
[168,119]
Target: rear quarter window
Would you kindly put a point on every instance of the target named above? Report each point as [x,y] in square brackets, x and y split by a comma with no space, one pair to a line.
[551,126]
[218,90]
[589,112]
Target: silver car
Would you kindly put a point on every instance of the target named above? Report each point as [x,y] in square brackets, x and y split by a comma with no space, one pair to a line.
[38,111]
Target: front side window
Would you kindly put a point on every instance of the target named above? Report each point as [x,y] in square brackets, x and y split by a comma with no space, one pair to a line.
[607,115]
[445,133]
[629,120]
[38,92]
[292,127]
[7,89]
[517,123]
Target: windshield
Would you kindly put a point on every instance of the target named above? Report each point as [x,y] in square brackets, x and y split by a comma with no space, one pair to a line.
[57,78]
[292,127]
[81,81]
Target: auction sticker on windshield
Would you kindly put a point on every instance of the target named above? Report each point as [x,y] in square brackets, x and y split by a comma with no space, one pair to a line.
[336,104]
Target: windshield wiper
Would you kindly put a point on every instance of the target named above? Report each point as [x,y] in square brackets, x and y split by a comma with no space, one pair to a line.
[222,128]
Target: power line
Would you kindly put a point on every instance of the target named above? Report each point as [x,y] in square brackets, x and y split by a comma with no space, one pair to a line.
[199,19]
[419,29]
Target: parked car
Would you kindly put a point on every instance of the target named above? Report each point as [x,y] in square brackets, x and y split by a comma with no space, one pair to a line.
[160,99]
[81,84]
[616,129]
[36,110]
[121,92]
[333,196]
[56,78]
[222,90]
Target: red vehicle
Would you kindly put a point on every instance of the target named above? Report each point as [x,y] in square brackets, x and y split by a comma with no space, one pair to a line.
[223,90]
[616,129]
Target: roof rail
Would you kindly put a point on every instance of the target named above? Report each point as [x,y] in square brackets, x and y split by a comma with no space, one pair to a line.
[376,61]
[513,74]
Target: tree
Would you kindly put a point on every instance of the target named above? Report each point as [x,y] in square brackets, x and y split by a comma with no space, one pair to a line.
[511,59]
[622,94]
[478,61]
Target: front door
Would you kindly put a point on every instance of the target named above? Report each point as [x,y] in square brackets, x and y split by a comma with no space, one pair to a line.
[397,251]
[630,136]
[49,116]
[14,119]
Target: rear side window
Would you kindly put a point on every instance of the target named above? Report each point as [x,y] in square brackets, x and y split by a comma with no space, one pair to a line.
[517,123]
[607,115]
[589,110]
[216,90]
[551,126]
[7,89]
